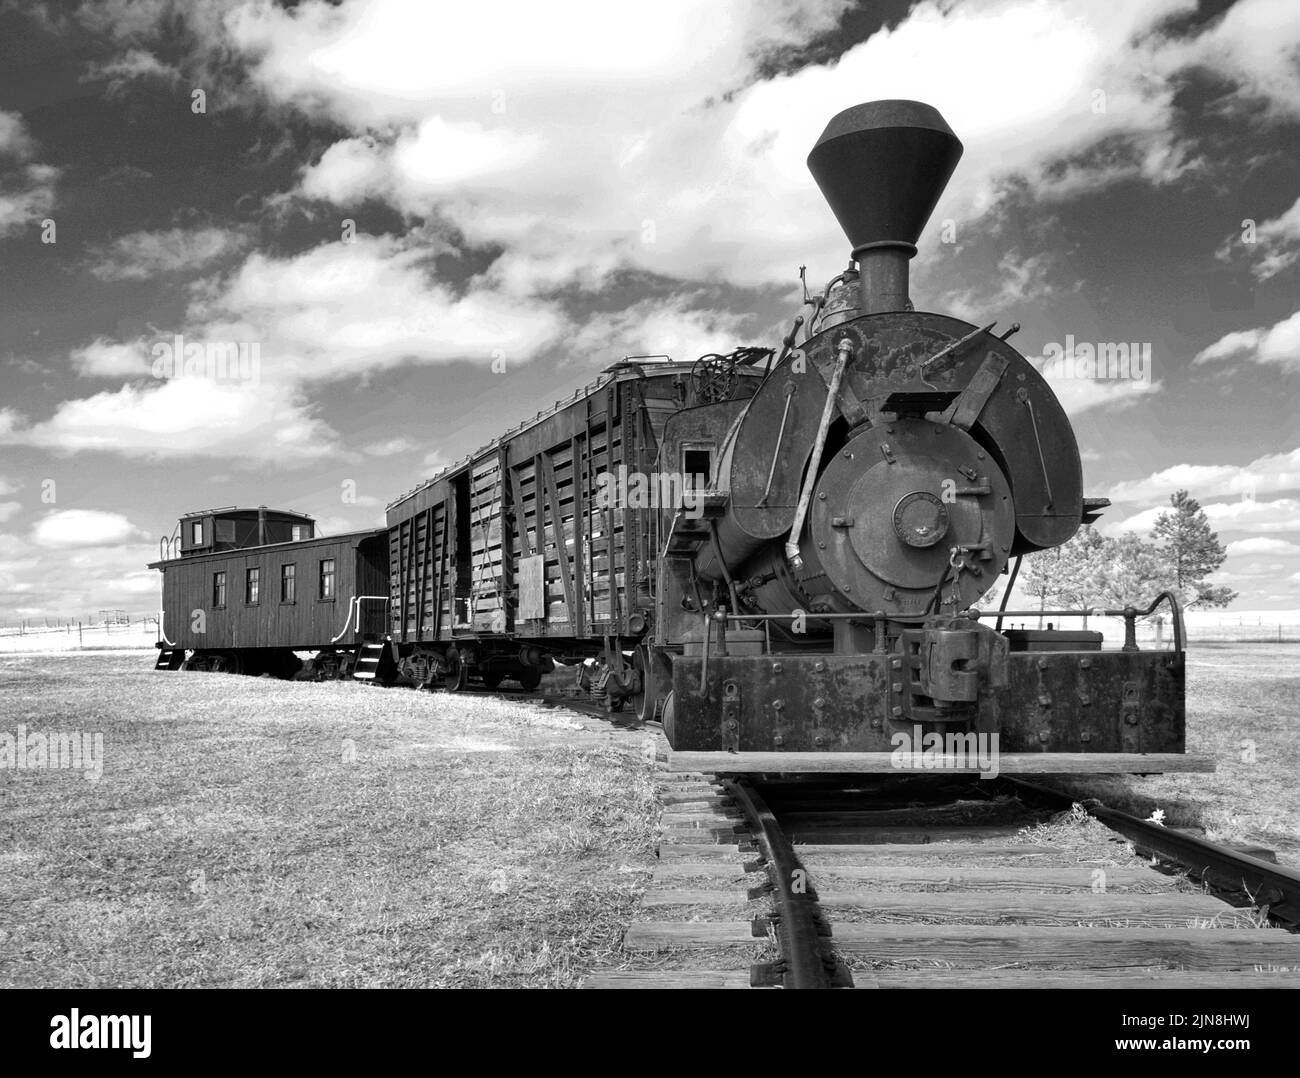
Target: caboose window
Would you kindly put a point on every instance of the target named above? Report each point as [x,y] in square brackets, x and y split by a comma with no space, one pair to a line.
[219,589]
[287,582]
[196,533]
[327,578]
[300,533]
[252,586]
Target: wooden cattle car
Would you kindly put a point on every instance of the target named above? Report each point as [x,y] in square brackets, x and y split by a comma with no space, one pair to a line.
[239,594]
[522,555]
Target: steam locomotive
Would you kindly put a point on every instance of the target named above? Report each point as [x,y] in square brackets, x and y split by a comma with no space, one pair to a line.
[775,553]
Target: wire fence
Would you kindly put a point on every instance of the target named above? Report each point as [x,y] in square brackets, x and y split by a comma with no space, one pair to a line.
[49,635]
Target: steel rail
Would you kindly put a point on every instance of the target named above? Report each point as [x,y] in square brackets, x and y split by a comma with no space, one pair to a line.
[796,918]
[1266,884]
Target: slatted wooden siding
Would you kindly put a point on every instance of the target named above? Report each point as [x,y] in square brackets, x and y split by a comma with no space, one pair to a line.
[587,575]
[419,574]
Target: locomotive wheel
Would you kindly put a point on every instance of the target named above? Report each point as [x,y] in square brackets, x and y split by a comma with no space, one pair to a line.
[646,700]
[530,679]
[669,728]
[455,673]
[492,679]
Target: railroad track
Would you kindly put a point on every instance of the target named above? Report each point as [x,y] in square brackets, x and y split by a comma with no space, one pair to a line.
[925,881]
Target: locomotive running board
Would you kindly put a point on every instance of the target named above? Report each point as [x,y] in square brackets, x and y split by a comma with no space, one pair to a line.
[888,763]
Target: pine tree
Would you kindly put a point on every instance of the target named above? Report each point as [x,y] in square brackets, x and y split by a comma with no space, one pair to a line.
[1191,552]
[1131,572]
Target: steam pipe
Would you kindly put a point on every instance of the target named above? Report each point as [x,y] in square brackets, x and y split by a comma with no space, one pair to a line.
[814,464]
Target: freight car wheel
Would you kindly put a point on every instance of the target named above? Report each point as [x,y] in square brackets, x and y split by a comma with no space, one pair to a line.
[455,673]
[530,679]
[646,700]
[492,680]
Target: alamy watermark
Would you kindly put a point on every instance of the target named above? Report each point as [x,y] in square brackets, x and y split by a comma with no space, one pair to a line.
[625,489]
[918,751]
[1114,361]
[38,751]
[217,361]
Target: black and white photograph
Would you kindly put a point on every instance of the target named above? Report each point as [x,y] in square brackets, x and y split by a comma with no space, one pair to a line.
[705,495]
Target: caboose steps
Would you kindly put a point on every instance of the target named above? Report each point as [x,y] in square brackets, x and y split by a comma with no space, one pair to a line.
[170,659]
[374,663]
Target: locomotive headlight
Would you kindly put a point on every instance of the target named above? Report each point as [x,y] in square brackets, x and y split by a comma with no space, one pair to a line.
[900,506]
[920,518]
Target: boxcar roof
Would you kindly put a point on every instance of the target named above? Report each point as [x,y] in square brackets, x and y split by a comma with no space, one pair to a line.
[623,371]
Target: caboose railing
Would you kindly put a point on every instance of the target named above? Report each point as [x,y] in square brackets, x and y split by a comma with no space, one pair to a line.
[354,605]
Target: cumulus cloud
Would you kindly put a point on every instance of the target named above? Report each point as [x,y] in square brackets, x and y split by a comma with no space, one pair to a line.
[672,327]
[111,359]
[1078,395]
[84,528]
[677,138]
[1262,545]
[1278,344]
[1272,473]
[343,309]
[141,255]
[238,422]
[1278,515]
[8,510]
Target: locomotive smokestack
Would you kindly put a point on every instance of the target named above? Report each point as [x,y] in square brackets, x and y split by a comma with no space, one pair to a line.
[882,167]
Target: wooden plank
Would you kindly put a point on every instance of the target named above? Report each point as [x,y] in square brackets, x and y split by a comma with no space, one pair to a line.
[506,571]
[442,575]
[993,877]
[425,566]
[404,561]
[1173,910]
[557,534]
[694,866]
[1017,763]
[917,835]
[658,897]
[675,853]
[580,627]
[1078,948]
[668,935]
[1050,979]
[950,852]
[669,978]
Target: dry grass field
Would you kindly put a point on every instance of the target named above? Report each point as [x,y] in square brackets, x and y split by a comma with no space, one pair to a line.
[249,832]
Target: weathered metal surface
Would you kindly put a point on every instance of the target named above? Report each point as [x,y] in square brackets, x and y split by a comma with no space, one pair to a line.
[1094,702]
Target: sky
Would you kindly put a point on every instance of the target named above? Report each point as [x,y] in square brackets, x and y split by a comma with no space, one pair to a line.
[423,222]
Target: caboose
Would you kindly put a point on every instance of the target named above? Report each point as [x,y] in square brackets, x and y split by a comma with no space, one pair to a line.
[242,589]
